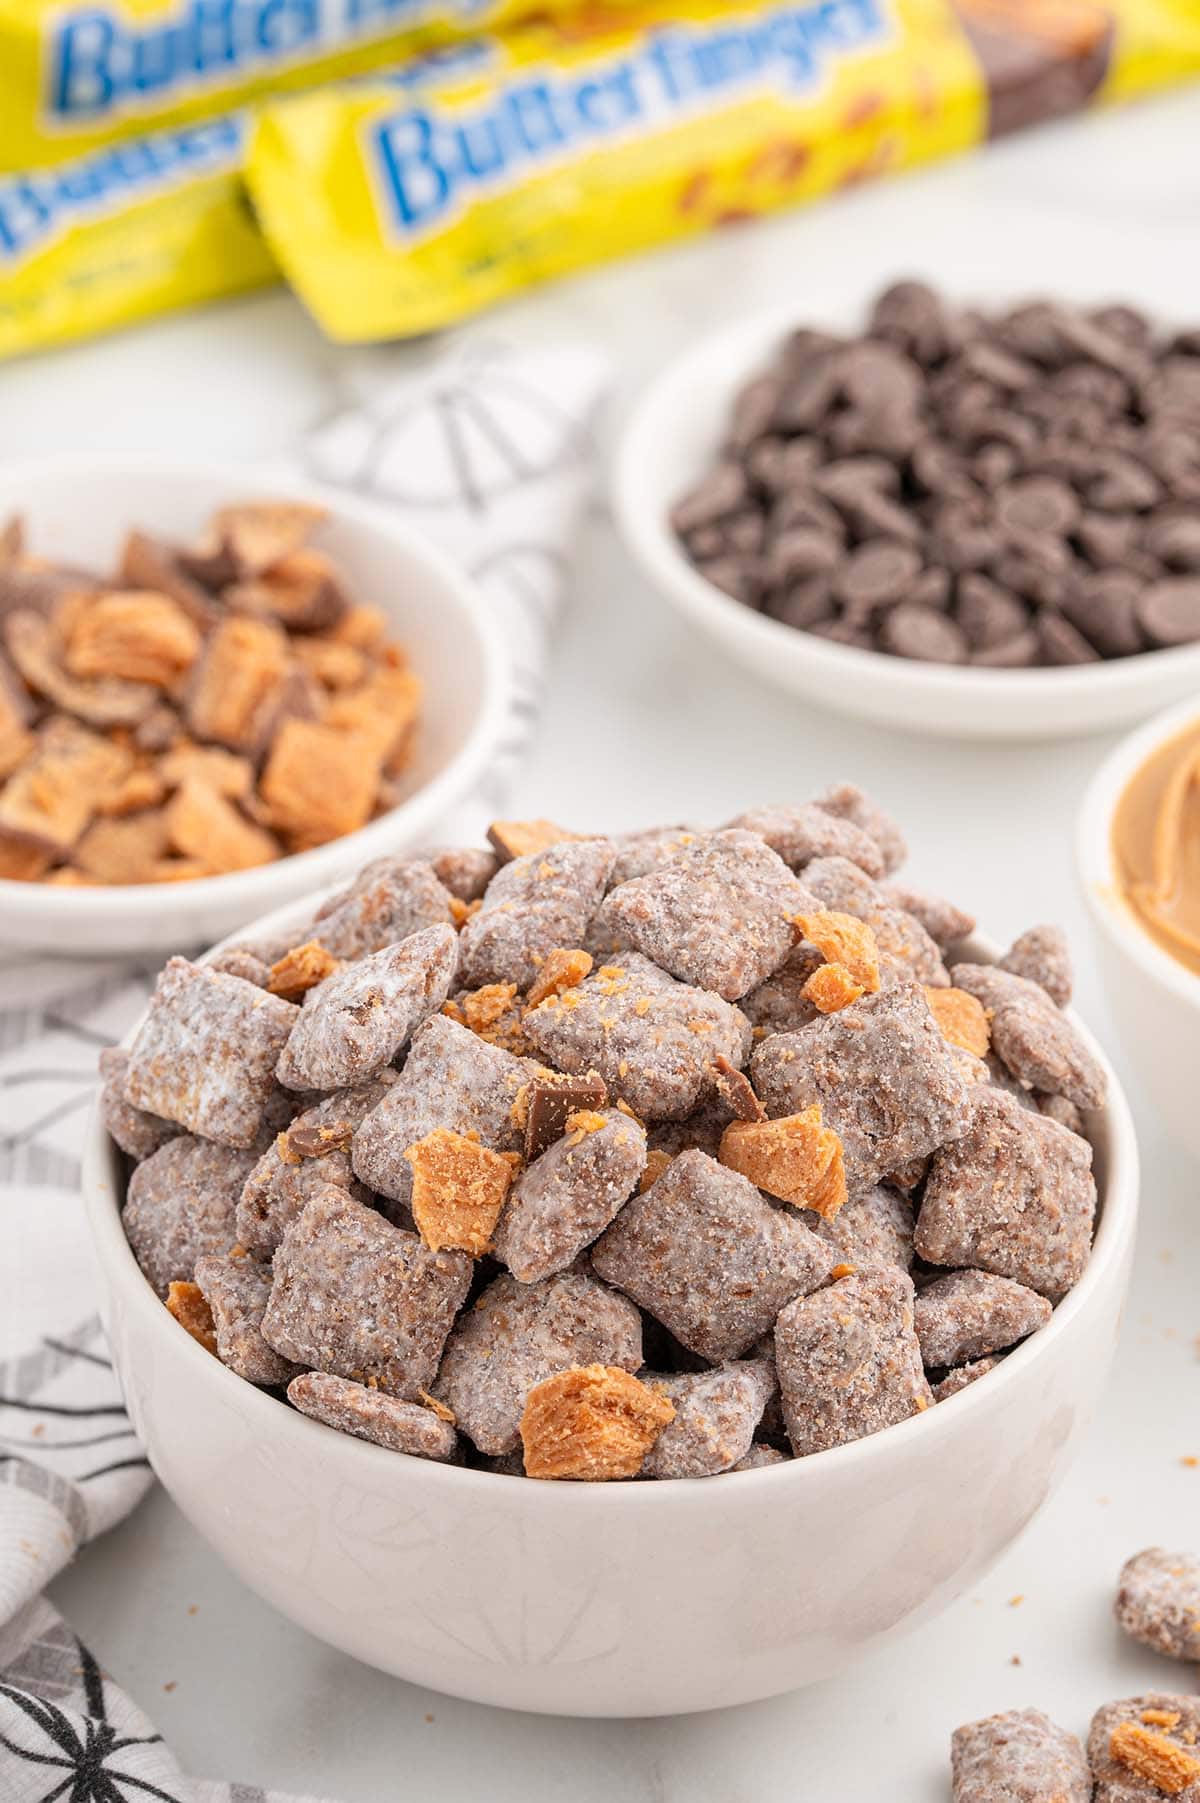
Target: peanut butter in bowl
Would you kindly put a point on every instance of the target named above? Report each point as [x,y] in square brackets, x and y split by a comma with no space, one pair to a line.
[1156,846]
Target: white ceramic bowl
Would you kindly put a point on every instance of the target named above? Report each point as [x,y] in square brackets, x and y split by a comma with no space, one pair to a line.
[671,439]
[623,1599]
[1154,999]
[78,510]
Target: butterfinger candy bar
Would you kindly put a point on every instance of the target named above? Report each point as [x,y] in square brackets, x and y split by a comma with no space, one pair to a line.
[395,213]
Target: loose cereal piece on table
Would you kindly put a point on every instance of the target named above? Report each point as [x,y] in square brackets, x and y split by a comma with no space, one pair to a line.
[900,939]
[848,1360]
[1042,956]
[451,1078]
[962,1377]
[759,1457]
[532,906]
[971,1313]
[961,1019]
[465,871]
[1032,1037]
[237,1291]
[875,1229]
[566,1197]
[1015,1195]
[719,914]
[548,1102]
[373,1415]
[848,802]
[182,1203]
[707,1256]
[388,899]
[458,1190]
[359,1298]
[135,1131]
[1019,1757]
[516,1336]
[1145,1748]
[355,1023]
[716,1413]
[795,1158]
[186,1302]
[592,1424]
[205,1054]
[801,834]
[944,921]
[313,1151]
[882,1074]
[651,1038]
[301,969]
[1158,1602]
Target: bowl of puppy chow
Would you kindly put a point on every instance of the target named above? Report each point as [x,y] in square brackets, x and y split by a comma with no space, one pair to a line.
[615,1274]
[969,521]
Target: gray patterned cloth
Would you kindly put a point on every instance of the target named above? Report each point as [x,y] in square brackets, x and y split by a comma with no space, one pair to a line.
[489,451]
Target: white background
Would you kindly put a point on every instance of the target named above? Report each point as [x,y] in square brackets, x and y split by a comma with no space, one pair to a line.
[642,723]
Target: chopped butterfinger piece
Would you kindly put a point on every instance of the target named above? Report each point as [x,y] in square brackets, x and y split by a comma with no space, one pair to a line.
[559,970]
[493,1011]
[185,1301]
[736,1090]
[203,826]
[458,1190]
[794,1158]
[844,939]
[410,1427]
[301,969]
[592,1423]
[1019,1757]
[1158,1603]
[259,534]
[134,634]
[315,1142]
[16,713]
[1167,1768]
[360,626]
[962,1019]
[548,1102]
[570,1193]
[237,683]
[319,783]
[523,838]
[22,859]
[831,987]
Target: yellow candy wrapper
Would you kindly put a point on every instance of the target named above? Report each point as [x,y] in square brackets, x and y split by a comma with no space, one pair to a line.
[585,136]
[75,74]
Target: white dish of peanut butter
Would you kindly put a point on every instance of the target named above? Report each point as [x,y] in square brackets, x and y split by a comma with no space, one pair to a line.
[1156,846]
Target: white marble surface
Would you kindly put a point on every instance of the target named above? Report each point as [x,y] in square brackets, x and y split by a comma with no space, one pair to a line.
[643,724]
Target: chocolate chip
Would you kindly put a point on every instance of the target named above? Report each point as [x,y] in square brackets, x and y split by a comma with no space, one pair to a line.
[1104,609]
[988,614]
[1120,485]
[878,572]
[844,632]
[911,630]
[550,1100]
[1061,643]
[804,605]
[753,412]
[799,552]
[1038,505]
[736,578]
[1176,542]
[723,491]
[1169,612]
[1017,653]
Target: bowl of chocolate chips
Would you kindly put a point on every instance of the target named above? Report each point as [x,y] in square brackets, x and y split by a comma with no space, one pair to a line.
[973,522]
[615,1274]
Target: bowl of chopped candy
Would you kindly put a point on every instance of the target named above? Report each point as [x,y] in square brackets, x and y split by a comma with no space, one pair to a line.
[615,1274]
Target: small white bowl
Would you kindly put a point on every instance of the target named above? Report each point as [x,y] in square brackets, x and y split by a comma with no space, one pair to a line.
[78,511]
[615,1599]
[671,439]
[1155,1000]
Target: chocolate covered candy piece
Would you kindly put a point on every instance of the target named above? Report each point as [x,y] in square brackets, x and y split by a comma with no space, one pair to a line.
[388,899]
[848,1360]
[963,1317]
[1032,1038]
[884,1078]
[451,1078]
[716,1413]
[1158,1602]
[373,1415]
[237,1291]
[516,1336]
[1014,1195]
[1145,1748]
[356,1297]
[719,914]
[549,1101]
[531,906]
[568,1196]
[182,1203]
[650,1037]
[706,1255]
[205,1055]
[134,1130]
[1018,1757]
[356,1021]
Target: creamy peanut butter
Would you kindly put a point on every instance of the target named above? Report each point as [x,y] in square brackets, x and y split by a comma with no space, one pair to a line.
[1156,846]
